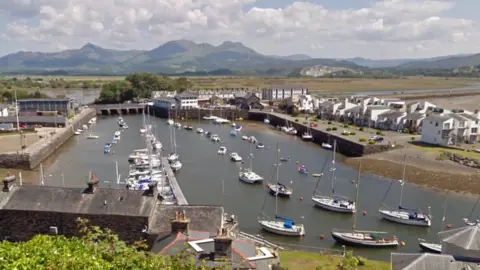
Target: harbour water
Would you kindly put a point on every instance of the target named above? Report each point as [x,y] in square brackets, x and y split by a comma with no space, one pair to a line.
[209,178]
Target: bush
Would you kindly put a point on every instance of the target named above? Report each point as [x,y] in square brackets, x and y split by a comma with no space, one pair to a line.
[296,120]
[361,261]
[345,133]
[329,129]
[345,126]
[413,138]
[362,139]
[353,133]
[329,122]
[371,142]
[315,120]
[360,129]
[380,133]
[334,128]
[405,130]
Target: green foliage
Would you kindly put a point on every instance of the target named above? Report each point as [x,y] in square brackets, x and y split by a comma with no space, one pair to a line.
[349,262]
[96,249]
[140,85]
[345,126]
[345,133]
[360,129]
[9,95]
[334,128]
[295,113]
[329,129]
[296,120]
[362,139]
[413,138]
[353,133]
[380,133]
[371,142]
[329,122]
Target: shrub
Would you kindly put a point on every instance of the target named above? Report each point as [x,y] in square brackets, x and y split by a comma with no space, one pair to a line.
[345,126]
[296,120]
[362,139]
[353,133]
[380,133]
[315,120]
[329,122]
[334,128]
[361,261]
[345,133]
[405,130]
[329,129]
[371,142]
[413,138]
[360,129]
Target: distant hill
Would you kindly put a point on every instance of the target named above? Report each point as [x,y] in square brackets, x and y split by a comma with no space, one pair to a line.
[174,57]
[445,62]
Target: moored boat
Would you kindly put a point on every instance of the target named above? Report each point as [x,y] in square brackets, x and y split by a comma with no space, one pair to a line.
[200,130]
[260,146]
[222,150]
[91,136]
[326,146]
[235,157]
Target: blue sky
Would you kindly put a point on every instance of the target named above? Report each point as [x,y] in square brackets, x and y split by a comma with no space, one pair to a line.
[321,28]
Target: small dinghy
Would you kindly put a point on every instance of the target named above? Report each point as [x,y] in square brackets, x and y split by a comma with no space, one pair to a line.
[266,121]
[260,146]
[245,138]
[91,136]
[238,128]
[233,133]
[285,159]
[302,169]
[327,146]
[199,130]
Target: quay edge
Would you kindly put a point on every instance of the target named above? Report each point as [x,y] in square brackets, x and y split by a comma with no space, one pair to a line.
[345,146]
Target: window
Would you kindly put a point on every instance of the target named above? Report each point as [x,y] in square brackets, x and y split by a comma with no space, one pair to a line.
[53,230]
[474,130]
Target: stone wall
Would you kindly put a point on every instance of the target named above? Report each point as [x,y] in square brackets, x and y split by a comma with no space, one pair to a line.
[469,162]
[14,160]
[19,225]
[345,146]
[195,114]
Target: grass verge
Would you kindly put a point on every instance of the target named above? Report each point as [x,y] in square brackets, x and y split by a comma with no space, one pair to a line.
[298,260]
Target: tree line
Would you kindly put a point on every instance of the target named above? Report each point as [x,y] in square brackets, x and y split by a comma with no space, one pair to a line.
[140,86]
[10,83]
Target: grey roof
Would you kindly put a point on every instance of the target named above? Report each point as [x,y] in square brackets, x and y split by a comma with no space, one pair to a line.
[392,114]
[249,95]
[472,117]
[458,117]
[467,237]
[186,94]
[428,261]
[3,106]
[378,107]
[415,116]
[73,200]
[326,103]
[33,119]
[287,87]
[355,109]
[438,118]
[202,218]
[44,99]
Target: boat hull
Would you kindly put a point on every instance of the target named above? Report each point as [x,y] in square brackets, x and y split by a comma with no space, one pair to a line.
[274,192]
[332,207]
[277,230]
[342,239]
[430,247]
[387,215]
[253,179]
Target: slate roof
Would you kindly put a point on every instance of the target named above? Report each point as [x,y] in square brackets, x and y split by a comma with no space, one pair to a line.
[378,107]
[472,117]
[202,218]
[428,261]
[415,116]
[120,202]
[457,117]
[392,114]
[355,109]
[3,106]
[44,99]
[439,118]
[186,94]
[467,237]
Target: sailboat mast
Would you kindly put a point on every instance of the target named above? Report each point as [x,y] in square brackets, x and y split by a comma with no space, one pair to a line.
[403,178]
[356,196]
[444,211]
[278,162]
[333,166]
[251,157]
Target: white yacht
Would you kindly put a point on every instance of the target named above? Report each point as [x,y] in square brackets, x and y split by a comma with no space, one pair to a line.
[326,146]
[260,146]
[77,132]
[199,130]
[222,150]
[143,130]
[91,136]
[245,138]
[170,122]
[307,136]
[235,157]
[266,121]
[248,176]
[284,227]
[117,133]
[172,157]
[176,165]
[215,138]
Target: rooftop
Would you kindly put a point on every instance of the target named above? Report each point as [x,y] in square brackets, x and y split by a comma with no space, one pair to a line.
[73,200]
[467,237]
[415,116]
[44,99]
[186,94]
[428,261]
[472,117]
[3,106]
[438,117]
[34,119]
[392,114]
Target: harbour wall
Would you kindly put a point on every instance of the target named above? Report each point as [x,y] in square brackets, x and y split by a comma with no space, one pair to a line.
[195,114]
[36,153]
[345,146]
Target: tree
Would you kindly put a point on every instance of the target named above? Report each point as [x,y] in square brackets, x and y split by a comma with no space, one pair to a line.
[96,249]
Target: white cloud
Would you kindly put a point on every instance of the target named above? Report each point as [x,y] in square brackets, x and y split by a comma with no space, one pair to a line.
[387,28]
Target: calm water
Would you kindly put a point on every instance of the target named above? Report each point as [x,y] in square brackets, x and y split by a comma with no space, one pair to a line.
[207,178]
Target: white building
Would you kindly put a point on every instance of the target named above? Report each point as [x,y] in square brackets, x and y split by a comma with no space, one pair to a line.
[186,100]
[164,103]
[3,110]
[284,92]
[450,129]
[163,94]
[308,103]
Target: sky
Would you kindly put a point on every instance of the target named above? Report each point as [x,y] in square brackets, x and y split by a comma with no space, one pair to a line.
[375,29]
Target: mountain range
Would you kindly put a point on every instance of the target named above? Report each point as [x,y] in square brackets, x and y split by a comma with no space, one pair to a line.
[187,57]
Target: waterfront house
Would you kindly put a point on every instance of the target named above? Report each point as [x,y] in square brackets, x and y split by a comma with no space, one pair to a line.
[36,120]
[323,108]
[186,100]
[413,121]
[163,94]
[391,120]
[371,114]
[64,106]
[281,92]
[164,103]
[462,243]
[3,110]
[438,129]
[471,127]
[308,103]
[249,101]
[340,112]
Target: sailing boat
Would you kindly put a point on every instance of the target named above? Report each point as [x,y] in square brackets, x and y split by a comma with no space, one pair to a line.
[173,156]
[266,120]
[362,238]
[169,120]
[249,176]
[279,189]
[144,128]
[280,225]
[333,202]
[307,136]
[187,127]
[468,220]
[435,247]
[404,215]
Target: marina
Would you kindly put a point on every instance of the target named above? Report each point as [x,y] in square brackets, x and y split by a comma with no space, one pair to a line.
[212,179]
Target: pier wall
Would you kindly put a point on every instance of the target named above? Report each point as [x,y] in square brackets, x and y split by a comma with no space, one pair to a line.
[181,200]
[346,147]
[36,153]
[195,114]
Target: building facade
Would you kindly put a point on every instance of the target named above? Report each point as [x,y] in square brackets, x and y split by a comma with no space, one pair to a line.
[186,100]
[284,92]
[64,106]
[3,110]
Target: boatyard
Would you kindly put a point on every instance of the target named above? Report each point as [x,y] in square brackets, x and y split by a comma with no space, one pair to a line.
[209,178]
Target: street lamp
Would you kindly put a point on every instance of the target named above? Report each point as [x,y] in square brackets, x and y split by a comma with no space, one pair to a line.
[344,252]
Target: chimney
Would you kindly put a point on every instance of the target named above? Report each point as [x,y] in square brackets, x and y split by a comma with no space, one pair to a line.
[151,189]
[223,245]
[180,223]
[92,185]
[8,182]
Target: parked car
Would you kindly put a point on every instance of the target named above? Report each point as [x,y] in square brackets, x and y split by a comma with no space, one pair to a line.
[313,125]
[379,139]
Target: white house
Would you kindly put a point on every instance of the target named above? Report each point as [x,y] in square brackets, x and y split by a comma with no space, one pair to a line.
[371,114]
[438,130]
[391,120]
[3,110]
[308,103]
[281,92]
[340,112]
[186,100]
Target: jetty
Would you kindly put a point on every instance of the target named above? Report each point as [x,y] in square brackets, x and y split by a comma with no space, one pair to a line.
[181,200]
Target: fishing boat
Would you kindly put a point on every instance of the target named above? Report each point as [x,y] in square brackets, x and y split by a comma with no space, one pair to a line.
[434,247]
[355,237]
[248,176]
[279,189]
[222,150]
[302,169]
[279,224]
[200,130]
[238,128]
[176,165]
[235,157]
[91,136]
[333,202]
[406,216]
[260,146]
[233,133]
